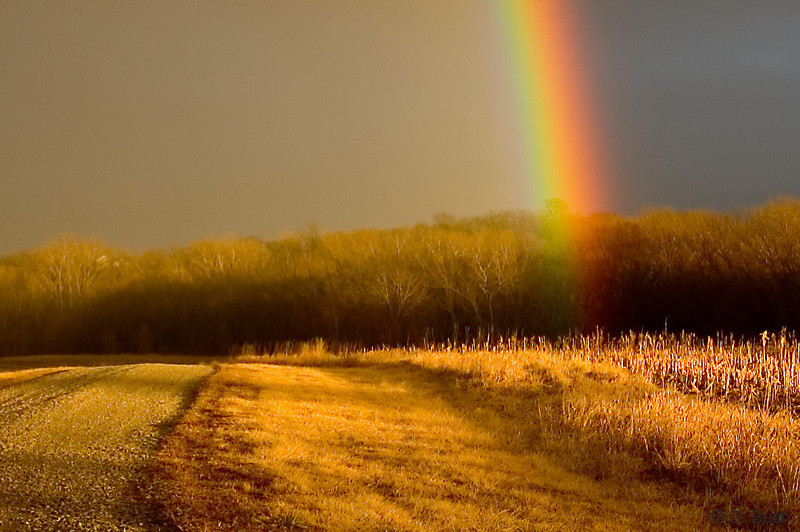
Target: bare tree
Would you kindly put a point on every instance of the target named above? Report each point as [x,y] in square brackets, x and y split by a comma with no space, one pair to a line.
[71,267]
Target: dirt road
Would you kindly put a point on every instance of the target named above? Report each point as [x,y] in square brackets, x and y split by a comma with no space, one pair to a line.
[74,445]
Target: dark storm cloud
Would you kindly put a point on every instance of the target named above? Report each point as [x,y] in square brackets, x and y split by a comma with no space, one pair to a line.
[701,100]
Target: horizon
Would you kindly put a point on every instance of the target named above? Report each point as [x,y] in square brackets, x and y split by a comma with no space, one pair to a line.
[297,232]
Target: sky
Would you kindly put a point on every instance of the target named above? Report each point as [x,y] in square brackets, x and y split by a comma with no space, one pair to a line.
[152,123]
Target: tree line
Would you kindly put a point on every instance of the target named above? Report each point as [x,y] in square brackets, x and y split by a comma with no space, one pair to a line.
[457,279]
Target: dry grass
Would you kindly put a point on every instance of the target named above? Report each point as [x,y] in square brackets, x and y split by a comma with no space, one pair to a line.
[749,455]
[391,441]
[752,456]
[763,375]
[589,433]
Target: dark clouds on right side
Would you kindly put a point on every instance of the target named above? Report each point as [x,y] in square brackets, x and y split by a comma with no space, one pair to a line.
[700,101]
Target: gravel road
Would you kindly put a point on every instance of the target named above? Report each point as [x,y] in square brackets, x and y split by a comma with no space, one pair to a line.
[74,445]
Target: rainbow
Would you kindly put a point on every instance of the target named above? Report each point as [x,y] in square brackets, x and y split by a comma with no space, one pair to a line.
[555,119]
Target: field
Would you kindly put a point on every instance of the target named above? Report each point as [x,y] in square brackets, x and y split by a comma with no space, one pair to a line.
[518,438]
[636,433]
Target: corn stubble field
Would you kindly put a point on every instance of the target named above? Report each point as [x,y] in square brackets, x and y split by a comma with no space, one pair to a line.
[641,432]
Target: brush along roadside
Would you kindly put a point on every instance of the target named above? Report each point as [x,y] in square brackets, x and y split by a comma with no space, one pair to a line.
[404,441]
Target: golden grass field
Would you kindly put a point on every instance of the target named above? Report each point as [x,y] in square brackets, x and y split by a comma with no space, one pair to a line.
[468,440]
[578,436]
[383,447]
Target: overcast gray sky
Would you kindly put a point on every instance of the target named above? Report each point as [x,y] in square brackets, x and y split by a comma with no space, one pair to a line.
[152,123]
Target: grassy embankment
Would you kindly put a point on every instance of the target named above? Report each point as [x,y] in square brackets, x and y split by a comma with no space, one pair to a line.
[543,438]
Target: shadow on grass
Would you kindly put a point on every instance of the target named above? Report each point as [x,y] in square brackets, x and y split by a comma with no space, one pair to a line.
[516,449]
[528,421]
